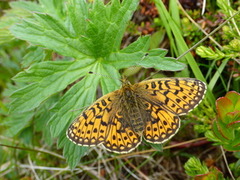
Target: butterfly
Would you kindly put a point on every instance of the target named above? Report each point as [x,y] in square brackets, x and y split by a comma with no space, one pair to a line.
[149,109]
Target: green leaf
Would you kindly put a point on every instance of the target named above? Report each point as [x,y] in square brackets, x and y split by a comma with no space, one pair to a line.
[158,147]
[78,97]
[13,15]
[10,17]
[102,34]
[35,54]
[72,152]
[223,105]
[112,21]
[17,123]
[226,132]
[226,127]
[137,54]
[212,137]
[27,5]
[157,38]
[48,78]
[164,64]
[112,81]
[5,36]
[52,34]
[27,136]
[53,7]
[42,116]
[235,99]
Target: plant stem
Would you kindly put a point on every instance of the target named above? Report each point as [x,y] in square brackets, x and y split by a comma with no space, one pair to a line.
[226,162]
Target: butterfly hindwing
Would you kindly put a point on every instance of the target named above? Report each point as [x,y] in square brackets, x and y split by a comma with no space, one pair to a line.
[120,139]
[161,126]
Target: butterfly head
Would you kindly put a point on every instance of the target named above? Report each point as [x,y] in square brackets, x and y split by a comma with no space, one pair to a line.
[127,88]
[125,82]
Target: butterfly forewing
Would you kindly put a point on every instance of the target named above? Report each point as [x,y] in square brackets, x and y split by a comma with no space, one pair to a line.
[177,95]
[121,139]
[90,128]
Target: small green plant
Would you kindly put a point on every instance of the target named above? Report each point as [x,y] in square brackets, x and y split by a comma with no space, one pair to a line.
[225,132]
[194,167]
[226,128]
[224,53]
[230,35]
[229,51]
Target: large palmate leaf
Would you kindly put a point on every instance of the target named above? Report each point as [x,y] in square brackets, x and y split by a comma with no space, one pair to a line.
[87,37]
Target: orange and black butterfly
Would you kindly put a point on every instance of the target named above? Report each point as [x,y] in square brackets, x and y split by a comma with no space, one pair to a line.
[149,109]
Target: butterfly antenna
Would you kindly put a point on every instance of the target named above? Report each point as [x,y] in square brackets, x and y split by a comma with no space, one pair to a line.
[135,68]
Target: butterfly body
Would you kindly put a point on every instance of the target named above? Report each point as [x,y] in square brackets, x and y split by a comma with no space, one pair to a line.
[149,109]
[132,108]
